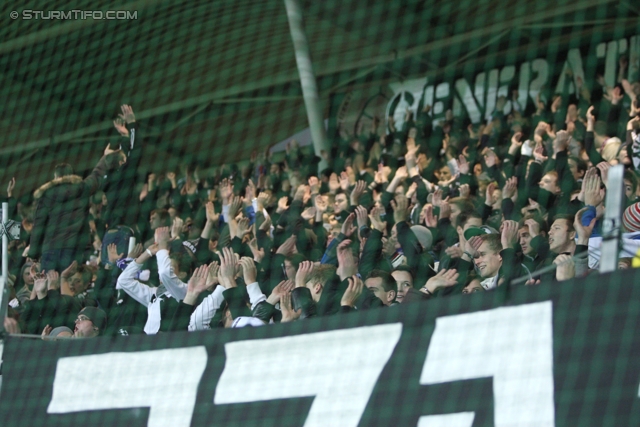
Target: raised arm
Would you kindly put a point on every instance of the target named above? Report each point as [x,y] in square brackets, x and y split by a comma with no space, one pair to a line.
[128,283]
[168,278]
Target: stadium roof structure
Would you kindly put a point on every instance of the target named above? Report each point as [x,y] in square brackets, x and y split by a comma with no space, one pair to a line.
[218,79]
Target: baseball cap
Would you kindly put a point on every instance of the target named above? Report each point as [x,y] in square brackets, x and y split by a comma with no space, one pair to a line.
[479,231]
[98,317]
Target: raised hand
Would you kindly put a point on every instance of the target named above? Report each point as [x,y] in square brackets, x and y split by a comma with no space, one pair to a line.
[490,158]
[266,225]
[286,307]
[303,192]
[401,173]
[509,235]
[249,271]
[604,167]
[347,226]
[288,247]
[510,188]
[212,276]
[361,216]
[162,237]
[283,288]
[70,271]
[212,216]
[250,191]
[112,253]
[304,270]
[227,272]
[353,292]
[198,281]
[334,184]
[411,190]
[283,204]
[538,154]
[308,213]
[583,231]
[444,278]
[263,199]
[429,219]
[454,251]
[11,186]
[357,191]
[344,181]
[436,198]
[450,181]
[592,194]
[534,227]
[445,209]
[53,280]
[463,164]
[40,285]
[516,140]
[127,114]
[243,227]
[321,204]
[46,332]
[400,208]
[176,228]
[465,191]
[382,175]
[121,127]
[470,246]
[376,220]
[235,206]
[412,154]
[258,253]
[533,206]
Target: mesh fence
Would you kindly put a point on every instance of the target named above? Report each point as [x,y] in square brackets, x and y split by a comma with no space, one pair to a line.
[166,174]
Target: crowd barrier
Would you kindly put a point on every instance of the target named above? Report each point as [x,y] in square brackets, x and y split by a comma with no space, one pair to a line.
[550,355]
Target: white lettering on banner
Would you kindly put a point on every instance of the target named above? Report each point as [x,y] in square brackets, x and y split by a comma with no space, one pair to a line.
[514,345]
[573,63]
[541,68]
[460,419]
[166,381]
[340,368]
[491,84]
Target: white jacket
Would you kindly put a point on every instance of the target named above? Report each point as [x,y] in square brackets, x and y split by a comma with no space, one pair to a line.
[144,294]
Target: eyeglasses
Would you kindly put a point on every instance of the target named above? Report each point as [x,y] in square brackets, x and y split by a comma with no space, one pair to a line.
[82,317]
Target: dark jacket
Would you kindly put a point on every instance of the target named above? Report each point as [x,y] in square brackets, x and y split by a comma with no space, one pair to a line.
[62,209]
[119,187]
[53,310]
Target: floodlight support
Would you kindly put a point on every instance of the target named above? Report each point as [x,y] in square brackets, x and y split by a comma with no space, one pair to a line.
[307,78]
[5,268]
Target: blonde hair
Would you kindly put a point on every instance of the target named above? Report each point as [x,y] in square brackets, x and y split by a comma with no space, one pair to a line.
[611,149]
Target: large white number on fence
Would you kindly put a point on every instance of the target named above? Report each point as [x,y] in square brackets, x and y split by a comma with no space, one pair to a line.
[460,419]
[166,381]
[340,368]
[514,345]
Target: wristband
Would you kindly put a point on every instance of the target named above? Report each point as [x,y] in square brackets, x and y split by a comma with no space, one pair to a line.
[468,254]
[427,291]
[149,252]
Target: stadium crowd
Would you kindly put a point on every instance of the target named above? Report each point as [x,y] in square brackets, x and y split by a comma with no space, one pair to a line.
[401,214]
